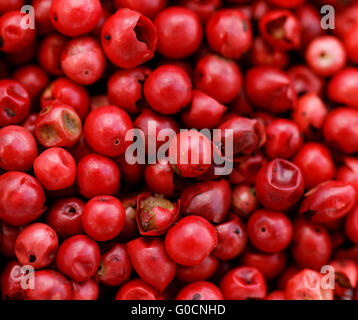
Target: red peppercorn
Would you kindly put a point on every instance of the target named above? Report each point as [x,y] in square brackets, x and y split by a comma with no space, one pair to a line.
[269,231]
[351,225]
[345,272]
[49,285]
[168,89]
[144,252]
[200,290]
[64,216]
[281,29]
[232,238]
[32,78]
[196,199]
[199,272]
[203,112]
[115,267]
[311,245]
[18,149]
[284,139]
[82,60]
[159,177]
[16,189]
[14,102]
[149,8]
[58,125]
[78,257]
[103,218]
[14,38]
[36,245]
[131,173]
[55,168]
[49,53]
[229,33]
[243,283]
[243,200]
[87,290]
[42,16]
[325,55]
[191,240]
[106,130]
[8,5]
[279,185]
[307,285]
[218,77]
[343,86]
[93,168]
[125,88]
[69,93]
[204,9]
[136,289]
[190,153]
[8,237]
[75,18]
[342,122]
[11,281]
[155,214]
[270,264]
[128,29]
[348,171]
[179,32]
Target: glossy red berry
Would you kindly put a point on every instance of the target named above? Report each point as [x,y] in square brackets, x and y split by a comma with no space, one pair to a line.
[168,89]
[281,29]
[243,200]
[149,8]
[58,125]
[17,189]
[279,185]
[159,178]
[106,129]
[49,53]
[42,16]
[18,149]
[196,199]
[269,231]
[11,281]
[103,218]
[232,238]
[342,122]
[93,168]
[8,235]
[229,33]
[125,88]
[199,272]
[14,38]
[204,9]
[9,5]
[350,44]
[78,257]
[49,285]
[179,32]
[64,216]
[75,18]
[151,251]
[87,290]
[55,168]
[270,89]
[307,285]
[218,77]
[200,290]
[190,153]
[137,289]
[83,61]
[36,245]
[128,29]
[326,55]
[14,102]
[203,112]
[191,240]
[115,267]
[348,171]
[284,139]
[155,214]
[304,80]
[243,283]
[329,201]
[316,164]
[311,245]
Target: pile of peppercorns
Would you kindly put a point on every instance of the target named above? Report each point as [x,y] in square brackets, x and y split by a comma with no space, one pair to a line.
[276,84]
